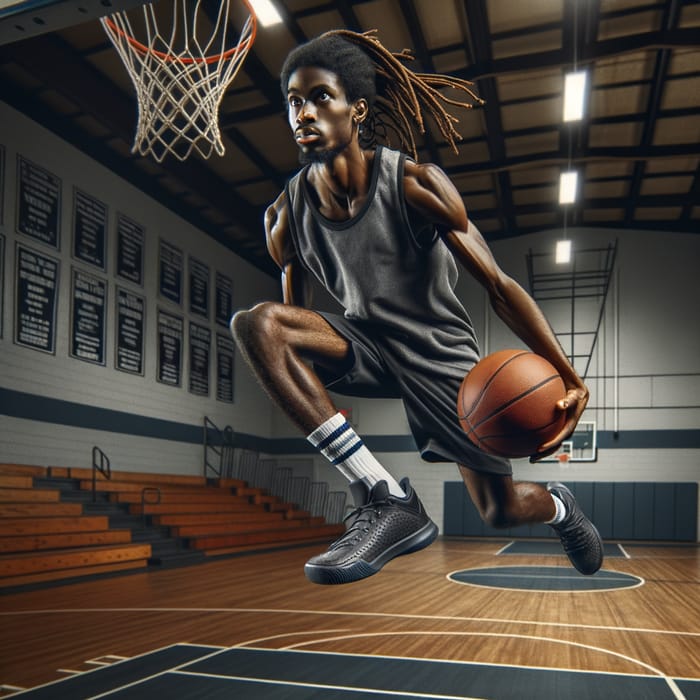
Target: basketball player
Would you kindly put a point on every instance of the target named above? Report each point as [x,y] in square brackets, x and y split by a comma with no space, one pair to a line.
[382,233]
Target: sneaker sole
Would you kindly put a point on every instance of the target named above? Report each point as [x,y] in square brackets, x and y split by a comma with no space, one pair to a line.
[333,575]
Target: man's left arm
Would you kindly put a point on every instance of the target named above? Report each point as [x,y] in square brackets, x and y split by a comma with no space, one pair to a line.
[431,192]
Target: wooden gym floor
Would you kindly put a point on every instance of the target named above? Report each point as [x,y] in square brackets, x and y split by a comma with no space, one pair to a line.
[253,627]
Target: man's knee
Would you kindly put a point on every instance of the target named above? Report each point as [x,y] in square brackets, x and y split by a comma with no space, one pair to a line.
[499,515]
[254,324]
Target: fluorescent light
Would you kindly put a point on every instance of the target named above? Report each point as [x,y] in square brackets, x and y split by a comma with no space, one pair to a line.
[567,187]
[266,12]
[574,95]
[563,252]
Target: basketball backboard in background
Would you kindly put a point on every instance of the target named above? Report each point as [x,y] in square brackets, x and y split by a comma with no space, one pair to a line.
[580,447]
[22,19]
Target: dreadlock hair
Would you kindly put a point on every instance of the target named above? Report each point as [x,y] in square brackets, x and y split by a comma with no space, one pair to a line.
[399,99]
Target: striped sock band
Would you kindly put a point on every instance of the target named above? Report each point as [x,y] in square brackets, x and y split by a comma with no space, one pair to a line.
[342,446]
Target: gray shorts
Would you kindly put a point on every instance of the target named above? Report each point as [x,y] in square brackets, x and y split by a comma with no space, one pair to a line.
[382,364]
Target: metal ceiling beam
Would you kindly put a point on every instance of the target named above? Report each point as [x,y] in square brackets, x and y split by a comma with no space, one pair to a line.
[479,33]
[693,200]
[590,53]
[674,226]
[290,21]
[679,38]
[604,154]
[264,82]
[420,50]
[663,58]
[348,14]
[659,201]
[571,134]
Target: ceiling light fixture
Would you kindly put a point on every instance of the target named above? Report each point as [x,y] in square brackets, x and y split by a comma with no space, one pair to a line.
[266,12]
[574,95]
[563,252]
[568,184]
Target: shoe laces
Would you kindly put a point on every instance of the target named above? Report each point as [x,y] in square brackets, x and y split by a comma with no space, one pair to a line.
[359,519]
[572,534]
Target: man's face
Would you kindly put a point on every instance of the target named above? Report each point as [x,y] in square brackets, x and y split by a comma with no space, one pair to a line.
[319,114]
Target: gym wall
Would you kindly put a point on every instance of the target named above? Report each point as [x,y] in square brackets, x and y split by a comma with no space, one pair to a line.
[58,401]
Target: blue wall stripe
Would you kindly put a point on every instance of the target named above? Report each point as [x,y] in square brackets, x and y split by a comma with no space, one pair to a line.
[668,439]
[18,404]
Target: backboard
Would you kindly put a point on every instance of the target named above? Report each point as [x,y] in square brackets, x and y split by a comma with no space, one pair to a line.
[22,19]
[580,447]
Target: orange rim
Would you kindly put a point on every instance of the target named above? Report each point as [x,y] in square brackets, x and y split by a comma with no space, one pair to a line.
[226,55]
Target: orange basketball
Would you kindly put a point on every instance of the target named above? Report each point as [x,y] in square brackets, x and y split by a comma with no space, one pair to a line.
[507,403]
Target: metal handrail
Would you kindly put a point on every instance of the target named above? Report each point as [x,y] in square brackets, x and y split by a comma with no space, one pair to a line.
[222,448]
[100,463]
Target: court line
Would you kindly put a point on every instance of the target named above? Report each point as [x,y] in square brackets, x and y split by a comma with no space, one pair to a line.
[130,658]
[497,664]
[293,611]
[503,548]
[172,669]
[559,553]
[655,671]
[568,577]
[479,569]
[279,636]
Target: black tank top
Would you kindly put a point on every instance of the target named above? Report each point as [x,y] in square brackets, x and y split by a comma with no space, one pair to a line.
[379,270]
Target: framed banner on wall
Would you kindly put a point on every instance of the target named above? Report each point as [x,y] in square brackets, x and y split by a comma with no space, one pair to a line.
[88,317]
[170,342]
[130,320]
[130,246]
[89,229]
[38,203]
[36,299]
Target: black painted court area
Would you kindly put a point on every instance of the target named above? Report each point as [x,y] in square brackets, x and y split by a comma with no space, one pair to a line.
[195,672]
[544,578]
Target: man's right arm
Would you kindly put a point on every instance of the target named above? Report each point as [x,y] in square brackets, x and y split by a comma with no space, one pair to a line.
[281,249]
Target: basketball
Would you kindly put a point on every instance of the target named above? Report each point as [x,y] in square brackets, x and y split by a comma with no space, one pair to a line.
[507,403]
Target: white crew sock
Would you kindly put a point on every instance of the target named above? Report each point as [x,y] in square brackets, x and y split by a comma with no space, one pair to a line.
[342,447]
[560,512]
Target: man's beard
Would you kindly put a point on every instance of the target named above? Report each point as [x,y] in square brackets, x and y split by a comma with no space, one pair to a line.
[321,156]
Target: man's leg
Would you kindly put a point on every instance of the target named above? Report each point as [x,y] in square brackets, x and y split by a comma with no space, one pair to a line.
[279,342]
[504,503]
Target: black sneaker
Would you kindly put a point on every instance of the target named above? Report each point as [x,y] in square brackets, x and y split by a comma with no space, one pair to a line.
[582,543]
[381,528]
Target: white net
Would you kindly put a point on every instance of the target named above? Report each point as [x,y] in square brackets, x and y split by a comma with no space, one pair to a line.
[181,64]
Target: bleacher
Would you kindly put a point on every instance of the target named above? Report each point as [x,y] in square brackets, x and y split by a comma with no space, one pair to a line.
[54,526]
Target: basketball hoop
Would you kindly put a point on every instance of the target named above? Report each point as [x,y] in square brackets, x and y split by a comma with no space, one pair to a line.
[179,78]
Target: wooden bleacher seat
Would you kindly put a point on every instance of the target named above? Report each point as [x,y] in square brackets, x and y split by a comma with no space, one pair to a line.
[33,567]
[221,544]
[148,479]
[43,539]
